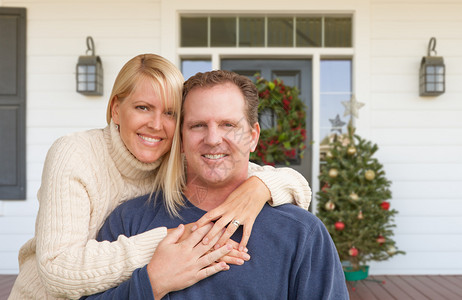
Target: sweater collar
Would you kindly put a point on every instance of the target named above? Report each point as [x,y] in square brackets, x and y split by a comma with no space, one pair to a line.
[127,164]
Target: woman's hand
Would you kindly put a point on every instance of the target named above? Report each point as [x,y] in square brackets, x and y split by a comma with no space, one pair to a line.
[234,257]
[243,204]
[178,265]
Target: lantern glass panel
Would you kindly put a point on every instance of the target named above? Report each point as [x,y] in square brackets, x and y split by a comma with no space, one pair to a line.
[91,86]
[430,87]
[82,86]
[91,69]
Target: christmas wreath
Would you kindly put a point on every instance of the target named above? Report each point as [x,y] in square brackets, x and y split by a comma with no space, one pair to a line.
[284,141]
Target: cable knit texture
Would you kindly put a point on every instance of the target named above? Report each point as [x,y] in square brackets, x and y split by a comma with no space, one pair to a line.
[85,176]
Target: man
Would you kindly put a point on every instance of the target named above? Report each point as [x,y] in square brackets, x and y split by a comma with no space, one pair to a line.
[293,256]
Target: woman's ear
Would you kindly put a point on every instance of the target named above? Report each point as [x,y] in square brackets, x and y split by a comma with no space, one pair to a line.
[115,107]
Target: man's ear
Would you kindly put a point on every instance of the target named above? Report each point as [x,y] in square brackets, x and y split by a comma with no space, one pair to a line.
[115,107]
[255,135]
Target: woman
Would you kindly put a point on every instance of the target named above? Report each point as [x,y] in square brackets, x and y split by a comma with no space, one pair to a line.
[86,175]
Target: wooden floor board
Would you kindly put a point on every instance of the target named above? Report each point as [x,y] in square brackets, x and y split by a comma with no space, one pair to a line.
[393,289]
[427,291]
[438,287]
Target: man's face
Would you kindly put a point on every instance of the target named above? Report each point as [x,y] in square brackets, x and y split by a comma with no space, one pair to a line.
[217,139]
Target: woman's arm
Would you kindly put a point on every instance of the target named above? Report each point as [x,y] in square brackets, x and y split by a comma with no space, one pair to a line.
[285,185]
[70,262]
[265,184]
[174,266]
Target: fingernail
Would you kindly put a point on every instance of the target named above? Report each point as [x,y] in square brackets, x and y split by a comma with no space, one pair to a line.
[205,241]
[240,262]
[246,256]
[216,246]
[194,227]
[246,250]
[229,247]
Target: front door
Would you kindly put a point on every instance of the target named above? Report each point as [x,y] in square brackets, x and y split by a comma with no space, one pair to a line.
[294,72]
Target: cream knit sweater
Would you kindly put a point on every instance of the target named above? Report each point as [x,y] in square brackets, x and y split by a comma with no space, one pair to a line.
[85,176]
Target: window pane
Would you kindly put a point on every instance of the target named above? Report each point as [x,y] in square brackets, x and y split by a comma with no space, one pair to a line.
[335,76]
[251,32]
[193,32]
[191,67]
[280,32]
[223,32]
[337,32]
[335,89]
[309,32]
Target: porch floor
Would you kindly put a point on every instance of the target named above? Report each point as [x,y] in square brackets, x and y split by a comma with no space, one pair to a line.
[407,287]
[400,287]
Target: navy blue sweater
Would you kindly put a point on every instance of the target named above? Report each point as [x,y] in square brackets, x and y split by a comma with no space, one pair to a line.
[292,256]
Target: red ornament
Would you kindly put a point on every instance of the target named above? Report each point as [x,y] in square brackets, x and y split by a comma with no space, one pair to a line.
[380,240]
[353,251]
[339,225]
[325,187]
[385,205]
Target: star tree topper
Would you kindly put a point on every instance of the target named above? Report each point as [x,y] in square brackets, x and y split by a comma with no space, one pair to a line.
[337,124]
[352,107]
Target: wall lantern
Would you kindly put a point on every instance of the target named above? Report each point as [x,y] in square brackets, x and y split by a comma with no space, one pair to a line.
[432,72]
[89,74]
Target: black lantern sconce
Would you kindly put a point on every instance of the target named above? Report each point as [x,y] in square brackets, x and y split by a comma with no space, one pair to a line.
[89,73]
[432,72]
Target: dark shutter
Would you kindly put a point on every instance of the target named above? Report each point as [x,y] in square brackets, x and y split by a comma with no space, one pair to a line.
[12,103]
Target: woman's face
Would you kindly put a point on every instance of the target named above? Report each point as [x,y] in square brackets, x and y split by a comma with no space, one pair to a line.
[146,126]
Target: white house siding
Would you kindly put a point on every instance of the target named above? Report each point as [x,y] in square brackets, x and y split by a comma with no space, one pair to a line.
[420,139]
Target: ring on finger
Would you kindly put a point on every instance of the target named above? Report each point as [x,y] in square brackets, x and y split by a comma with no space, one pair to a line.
[236,223]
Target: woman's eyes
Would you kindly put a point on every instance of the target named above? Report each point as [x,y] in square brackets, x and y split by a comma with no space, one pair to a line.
[142,107]
[170,113]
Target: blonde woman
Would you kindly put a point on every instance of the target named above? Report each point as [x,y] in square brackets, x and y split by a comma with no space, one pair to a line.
[87,174]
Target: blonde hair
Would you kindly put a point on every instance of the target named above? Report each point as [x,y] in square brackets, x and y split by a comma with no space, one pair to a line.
[168,82]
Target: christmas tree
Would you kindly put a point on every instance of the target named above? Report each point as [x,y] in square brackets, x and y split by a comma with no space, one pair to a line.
[353,201]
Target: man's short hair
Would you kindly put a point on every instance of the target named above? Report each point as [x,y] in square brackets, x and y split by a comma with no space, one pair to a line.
[212,78]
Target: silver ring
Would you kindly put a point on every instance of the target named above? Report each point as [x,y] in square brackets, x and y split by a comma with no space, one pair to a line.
[236,222]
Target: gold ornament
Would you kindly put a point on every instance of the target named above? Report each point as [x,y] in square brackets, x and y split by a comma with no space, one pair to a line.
[329,154]
[391,250]
[370,175]
[351,150]
[333,173]
[360,215]
[330,205]
[354,196]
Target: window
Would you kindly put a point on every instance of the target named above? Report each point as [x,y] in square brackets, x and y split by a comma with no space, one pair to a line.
[266,31]
[191,67]
[336,87]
